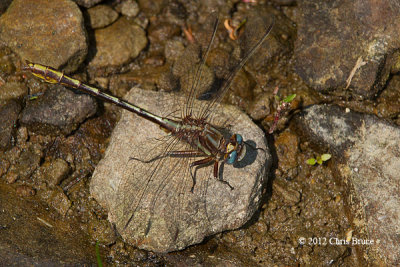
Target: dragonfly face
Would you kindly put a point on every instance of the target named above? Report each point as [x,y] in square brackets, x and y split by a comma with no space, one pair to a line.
[234,149]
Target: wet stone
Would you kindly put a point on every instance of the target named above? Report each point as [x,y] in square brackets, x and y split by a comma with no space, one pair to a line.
[128,8]
[162,31]
[124,253]
[275,46]
[101,16]
[260,108]
[186,60]
[7,66]
[22,135]
[173,49]
[166,81]
[26,164]
[54,172]
[141,20]
[334,35]
[118,43]
[389,100]
[58,110]
[32,236]
[53,34]
[56,199]
[87,3]
[284,2]
[208,78]
[289,196]
[4,5]
[25,191]
[151,8]
[11,177]
[287,150]
[367,151]
[219,58]
[175,13]
[102,231]
[154,60]
[4,165]
[240,93]
[13,90]
[166,215]
[8,118]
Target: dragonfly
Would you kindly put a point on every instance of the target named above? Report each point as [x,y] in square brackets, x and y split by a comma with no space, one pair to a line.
[207,144]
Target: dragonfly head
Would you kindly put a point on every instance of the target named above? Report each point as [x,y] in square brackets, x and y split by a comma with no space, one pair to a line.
[235,149]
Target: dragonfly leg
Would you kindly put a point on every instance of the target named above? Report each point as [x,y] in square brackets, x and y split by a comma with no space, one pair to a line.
[191,153]
[198,163]
[216,163]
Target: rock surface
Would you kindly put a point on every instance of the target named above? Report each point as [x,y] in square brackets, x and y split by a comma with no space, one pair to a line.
[4,5]
[101,16]
[167,216]
[53,34]
[87,3]
[31,236]
[334,35]
[8,117]
[58,110]
[368,150]
[12,90]
[26,163]
[128,8]
[118,43]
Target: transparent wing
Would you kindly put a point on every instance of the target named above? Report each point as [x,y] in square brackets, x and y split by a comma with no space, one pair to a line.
[194,75]
[155,194]
[208,67]
[253,37]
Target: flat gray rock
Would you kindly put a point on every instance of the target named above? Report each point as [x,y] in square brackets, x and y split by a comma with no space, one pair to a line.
[367,151]
[166,215]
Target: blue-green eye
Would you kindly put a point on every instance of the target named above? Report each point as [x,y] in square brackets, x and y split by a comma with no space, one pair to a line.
[232,157]
[239,139]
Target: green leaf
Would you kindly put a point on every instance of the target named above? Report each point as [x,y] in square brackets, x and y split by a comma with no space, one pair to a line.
[289,98]
[319,160]
[311,161]
[99,262]
[325,157]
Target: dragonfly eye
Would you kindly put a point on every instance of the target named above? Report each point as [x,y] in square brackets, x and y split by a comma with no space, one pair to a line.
[239,139]
[231,157]
[235,150]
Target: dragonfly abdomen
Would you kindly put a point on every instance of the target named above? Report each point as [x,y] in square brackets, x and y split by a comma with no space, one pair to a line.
[52,75]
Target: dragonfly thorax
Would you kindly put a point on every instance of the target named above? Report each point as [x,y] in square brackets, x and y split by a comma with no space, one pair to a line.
[210,140]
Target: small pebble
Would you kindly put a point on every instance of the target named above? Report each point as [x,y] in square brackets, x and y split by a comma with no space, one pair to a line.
[25,191]
[128,8]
